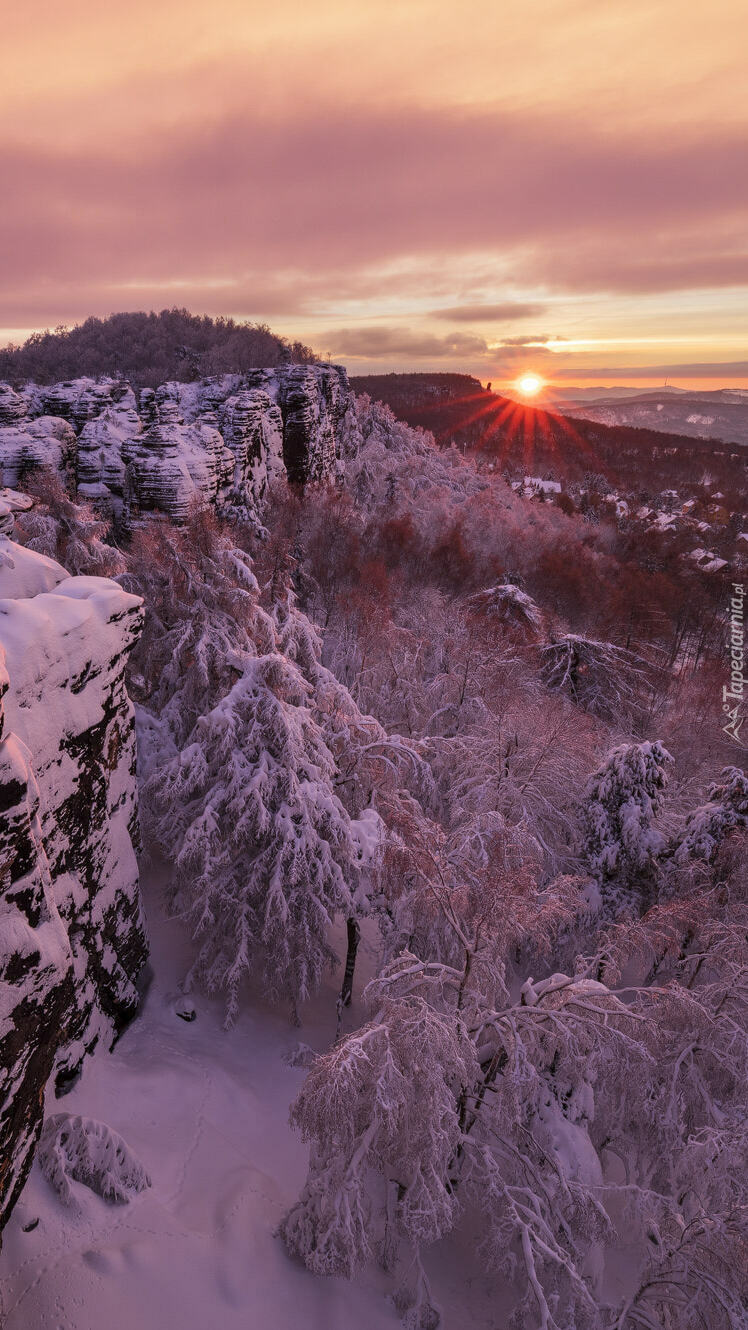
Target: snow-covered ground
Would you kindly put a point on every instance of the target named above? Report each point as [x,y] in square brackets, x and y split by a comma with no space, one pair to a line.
[206,1112]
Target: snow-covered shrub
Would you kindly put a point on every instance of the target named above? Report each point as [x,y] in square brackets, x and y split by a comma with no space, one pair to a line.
[619,808]
[707,826]
[76,1149]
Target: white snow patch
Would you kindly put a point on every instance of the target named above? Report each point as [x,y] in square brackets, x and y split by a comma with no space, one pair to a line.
[24,573]
[206,1111]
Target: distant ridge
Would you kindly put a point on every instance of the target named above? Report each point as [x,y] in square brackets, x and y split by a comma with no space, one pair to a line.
[520,438]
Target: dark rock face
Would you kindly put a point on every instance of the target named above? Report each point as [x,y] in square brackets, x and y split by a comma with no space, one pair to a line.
[13,406]
[36,978]
[39,441]
[71,935]
[222,439]
[315,409]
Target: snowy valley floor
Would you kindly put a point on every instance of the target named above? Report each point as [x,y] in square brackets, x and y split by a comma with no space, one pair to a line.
[206,1111]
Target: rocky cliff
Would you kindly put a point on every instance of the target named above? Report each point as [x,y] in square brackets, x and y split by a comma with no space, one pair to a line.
[222,439]
[71,936]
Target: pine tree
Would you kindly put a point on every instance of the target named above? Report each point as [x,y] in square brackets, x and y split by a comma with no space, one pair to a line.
[620,842]
[266,856]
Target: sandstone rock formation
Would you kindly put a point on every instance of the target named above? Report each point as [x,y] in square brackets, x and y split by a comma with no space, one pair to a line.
[222,439]
[71,935]
[36,981]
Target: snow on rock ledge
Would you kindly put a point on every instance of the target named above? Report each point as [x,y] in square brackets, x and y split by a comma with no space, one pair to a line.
[222,439]
[24,573]
[71,934]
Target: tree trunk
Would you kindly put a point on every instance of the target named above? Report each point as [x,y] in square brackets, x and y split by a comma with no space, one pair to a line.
[388,1254]
[354,936]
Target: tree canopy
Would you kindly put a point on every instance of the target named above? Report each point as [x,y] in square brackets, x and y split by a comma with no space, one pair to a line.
[148,349]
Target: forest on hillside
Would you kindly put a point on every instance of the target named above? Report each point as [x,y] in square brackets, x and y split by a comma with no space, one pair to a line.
[478,732]
[147,349]
[517,437]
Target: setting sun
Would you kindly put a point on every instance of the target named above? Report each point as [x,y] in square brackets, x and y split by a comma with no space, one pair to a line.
[529,384]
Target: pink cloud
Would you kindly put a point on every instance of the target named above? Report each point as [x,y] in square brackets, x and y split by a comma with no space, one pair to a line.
[503,312]
[373,342]
[312,200]
[725,370]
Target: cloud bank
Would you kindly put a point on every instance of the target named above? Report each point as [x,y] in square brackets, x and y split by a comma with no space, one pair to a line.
[412,179]
[210,211]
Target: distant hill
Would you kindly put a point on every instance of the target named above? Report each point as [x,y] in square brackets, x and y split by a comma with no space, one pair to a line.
[453,407]
[559,395]
[722,414]
[521,439]
[148,349]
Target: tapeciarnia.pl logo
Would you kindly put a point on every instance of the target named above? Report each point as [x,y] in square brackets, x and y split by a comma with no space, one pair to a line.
[734,695]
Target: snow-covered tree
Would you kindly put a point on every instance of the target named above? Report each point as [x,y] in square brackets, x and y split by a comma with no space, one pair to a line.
[403,1094]
[523,758]
[621,802]
[265,854]
[509,607]
[694,1278]
[384,1102]
[549,1115]
[251,745]
[706,827]
[604,679]
[68,531]
[203,620]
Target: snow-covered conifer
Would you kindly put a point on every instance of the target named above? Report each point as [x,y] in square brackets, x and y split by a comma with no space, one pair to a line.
[619,808]
[265,854]
[507,606]
[726,808]
[203,620]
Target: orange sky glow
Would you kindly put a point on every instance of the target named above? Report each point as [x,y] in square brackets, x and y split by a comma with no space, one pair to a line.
[557,188]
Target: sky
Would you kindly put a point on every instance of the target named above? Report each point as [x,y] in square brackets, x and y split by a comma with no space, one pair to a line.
[556,186]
